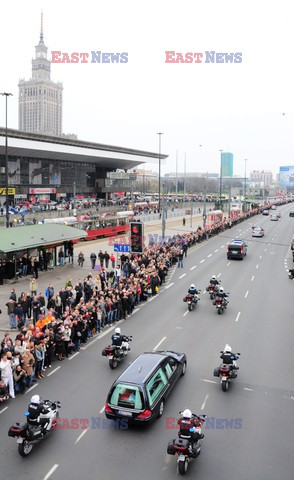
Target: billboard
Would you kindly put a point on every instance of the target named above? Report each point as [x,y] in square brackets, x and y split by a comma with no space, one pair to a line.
[55,174]
[35,172]
[227,160]
[14,172]
[287,176]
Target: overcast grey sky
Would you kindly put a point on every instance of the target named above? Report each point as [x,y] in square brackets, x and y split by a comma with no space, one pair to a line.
[236,107]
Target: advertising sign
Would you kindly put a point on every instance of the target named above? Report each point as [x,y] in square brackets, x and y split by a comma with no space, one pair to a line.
[38,191]
[287,176]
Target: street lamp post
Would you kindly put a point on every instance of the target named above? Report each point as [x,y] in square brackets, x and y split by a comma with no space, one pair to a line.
[245,205]
[159,172]
[220,181]
[204,203]
[6,158]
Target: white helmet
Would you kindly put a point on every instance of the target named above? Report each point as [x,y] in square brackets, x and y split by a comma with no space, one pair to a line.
[35,399]
[117,330]
[213,277]
[221,289]
[228,349]
[187,413]
[192,286]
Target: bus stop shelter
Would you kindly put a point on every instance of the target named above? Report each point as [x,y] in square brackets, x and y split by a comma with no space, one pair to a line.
[35,245]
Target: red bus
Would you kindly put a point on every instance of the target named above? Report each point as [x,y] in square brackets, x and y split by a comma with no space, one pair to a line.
[104,227]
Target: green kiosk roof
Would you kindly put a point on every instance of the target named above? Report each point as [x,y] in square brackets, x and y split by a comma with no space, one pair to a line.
[33,236]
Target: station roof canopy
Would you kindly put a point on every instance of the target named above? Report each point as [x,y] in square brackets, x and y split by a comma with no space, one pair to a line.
[33,236]
[41,146]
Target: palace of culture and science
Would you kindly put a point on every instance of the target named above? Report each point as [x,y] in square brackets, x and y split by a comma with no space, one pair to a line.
[40,99]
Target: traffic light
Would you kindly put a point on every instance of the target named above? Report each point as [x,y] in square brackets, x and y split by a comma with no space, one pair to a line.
[137,237]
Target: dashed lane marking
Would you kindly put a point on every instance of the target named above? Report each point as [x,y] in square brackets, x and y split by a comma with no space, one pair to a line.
[248,389]
[257,266]
[246,294]
[210,255]
[207,381]
[216,250]
[170,285]
[3,409]
[182,276]
[252,278]
[74,355]
[51,471]
[237,318]
[158,345]
[192,268]
[205,400]
[201,261]
[53,371]
[81,435]
[218,275]
[185,313]
[31,388]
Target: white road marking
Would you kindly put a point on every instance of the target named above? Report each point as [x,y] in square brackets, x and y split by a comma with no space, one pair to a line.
[228,264]
[51,471]
[216,250]
[237,318]
[218,275]
[222,246]
[201,261]
[265,249]
[170,285]
[257,266]
[102,409]
[260,257]
[207,381]
[3,409]
[203,293]
[192,268]
[184,274]
[55,370]
[249,389]
[162,340]
[252,278]
[210,255]
[74,355]
[31,388]
[186,313]
[205,400]
[246,294]
[81,436]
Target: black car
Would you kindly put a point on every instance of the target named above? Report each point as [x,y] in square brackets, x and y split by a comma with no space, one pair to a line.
[291,213]
[237,249]
[265,212]
[140,392]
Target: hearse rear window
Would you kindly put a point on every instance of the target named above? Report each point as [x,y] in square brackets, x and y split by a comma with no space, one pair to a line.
[127,396]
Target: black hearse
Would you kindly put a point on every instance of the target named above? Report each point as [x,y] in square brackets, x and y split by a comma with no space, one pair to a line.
[140,392]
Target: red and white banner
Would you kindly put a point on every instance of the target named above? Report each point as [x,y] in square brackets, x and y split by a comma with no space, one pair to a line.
[37,191]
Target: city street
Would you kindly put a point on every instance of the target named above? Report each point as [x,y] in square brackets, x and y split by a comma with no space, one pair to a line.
[258,323]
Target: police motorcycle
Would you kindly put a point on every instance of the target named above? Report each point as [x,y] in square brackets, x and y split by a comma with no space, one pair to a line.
[41,419]
[119,348]
[188,444]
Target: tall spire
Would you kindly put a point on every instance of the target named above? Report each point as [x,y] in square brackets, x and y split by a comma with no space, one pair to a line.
[41,32]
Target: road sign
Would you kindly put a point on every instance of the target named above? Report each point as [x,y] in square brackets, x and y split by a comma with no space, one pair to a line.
[11,191]
[122,248]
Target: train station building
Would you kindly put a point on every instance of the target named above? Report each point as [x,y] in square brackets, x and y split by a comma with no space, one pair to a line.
[47,166]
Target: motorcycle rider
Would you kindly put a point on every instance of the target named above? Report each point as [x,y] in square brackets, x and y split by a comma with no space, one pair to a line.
[120,340]
[187,428]
[35,408]
[229,358]
[193,291]
[223,295]
[214,280]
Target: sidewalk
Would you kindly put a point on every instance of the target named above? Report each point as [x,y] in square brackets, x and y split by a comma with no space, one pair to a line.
[59,275]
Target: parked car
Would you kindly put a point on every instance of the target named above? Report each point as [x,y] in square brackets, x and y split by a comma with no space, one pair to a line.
[265,212]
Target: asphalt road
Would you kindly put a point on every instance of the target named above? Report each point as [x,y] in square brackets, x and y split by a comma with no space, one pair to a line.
[258,323]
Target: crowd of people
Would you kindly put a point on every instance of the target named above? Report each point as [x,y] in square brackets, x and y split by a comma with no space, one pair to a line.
[53,325]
